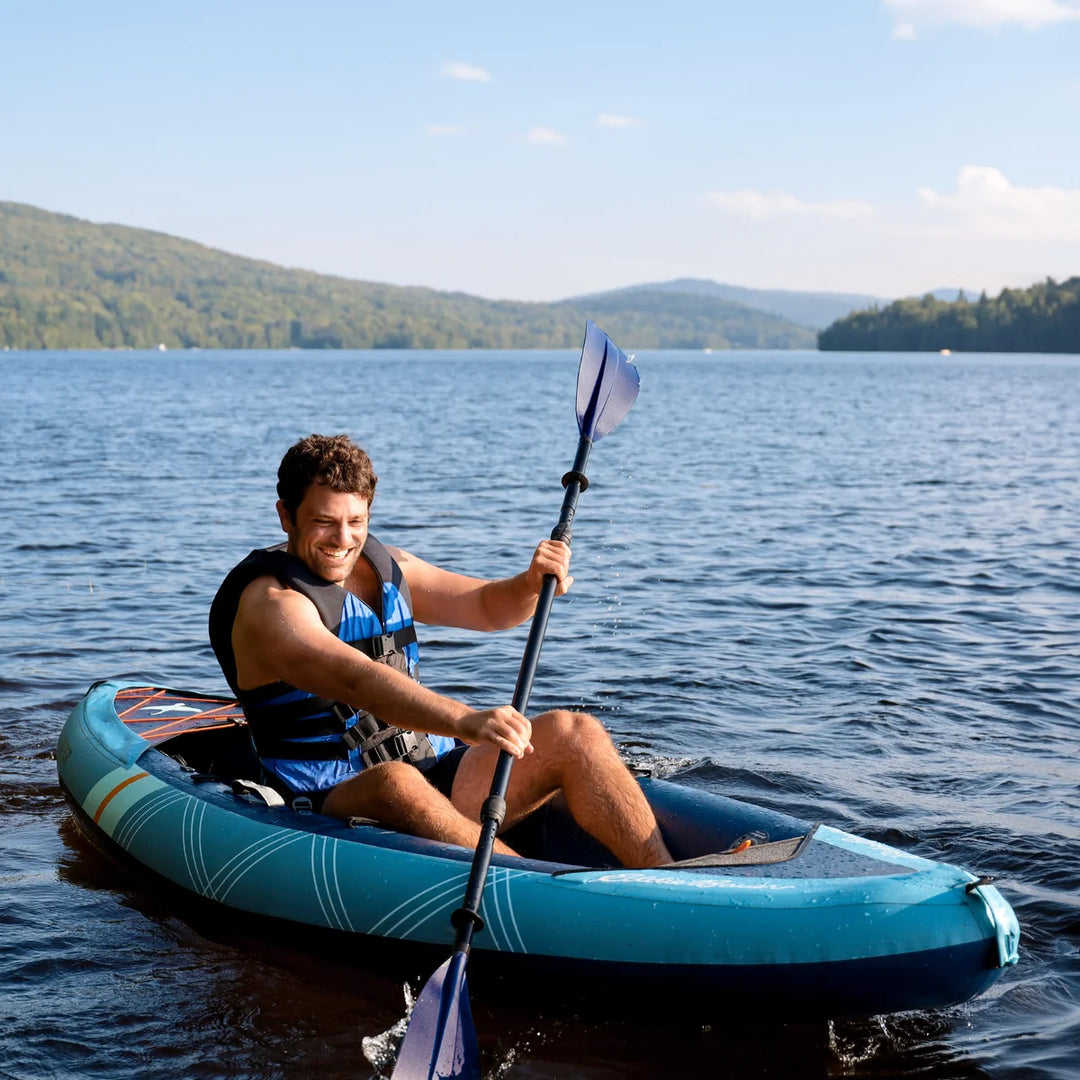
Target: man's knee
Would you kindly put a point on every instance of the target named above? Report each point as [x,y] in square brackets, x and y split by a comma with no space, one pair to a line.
[563,728]
[392,781]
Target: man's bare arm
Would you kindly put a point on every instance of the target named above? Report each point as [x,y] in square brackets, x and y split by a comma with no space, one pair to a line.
[443,598]
[278,635]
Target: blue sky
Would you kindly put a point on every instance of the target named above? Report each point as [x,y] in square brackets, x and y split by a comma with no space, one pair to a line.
[537,151]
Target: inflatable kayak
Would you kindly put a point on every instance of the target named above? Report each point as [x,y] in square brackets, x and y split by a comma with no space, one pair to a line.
[806,920]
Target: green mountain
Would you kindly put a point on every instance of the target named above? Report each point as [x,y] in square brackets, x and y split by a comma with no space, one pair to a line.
[69,283]
[1044,318]
[814,309]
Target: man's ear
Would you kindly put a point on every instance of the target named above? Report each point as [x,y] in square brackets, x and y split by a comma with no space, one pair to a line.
[284,517]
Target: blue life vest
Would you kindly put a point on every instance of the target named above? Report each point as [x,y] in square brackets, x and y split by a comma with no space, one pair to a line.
[311,743]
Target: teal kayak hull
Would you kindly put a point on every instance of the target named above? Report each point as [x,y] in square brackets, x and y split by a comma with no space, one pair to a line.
[811,920]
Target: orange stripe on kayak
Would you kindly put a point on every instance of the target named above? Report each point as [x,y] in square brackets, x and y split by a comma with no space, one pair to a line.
[116,791]
[144,700]
[173,728]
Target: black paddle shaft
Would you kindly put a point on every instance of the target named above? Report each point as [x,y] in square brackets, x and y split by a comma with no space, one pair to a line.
[467,918]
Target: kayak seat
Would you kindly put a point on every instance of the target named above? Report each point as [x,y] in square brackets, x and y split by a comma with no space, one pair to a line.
[226,753]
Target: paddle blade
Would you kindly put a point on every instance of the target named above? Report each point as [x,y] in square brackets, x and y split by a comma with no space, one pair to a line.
[607,384]
[440,1041]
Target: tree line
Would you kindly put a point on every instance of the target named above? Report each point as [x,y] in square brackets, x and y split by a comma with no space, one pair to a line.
[68,283]
[1042,319]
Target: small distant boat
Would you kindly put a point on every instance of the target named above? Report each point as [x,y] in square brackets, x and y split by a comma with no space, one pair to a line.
[946,352]
[804,920]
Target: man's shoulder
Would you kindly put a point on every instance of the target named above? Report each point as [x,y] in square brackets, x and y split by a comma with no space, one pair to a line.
[399,555]
[267,588]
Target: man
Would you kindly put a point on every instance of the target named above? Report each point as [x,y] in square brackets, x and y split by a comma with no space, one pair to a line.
[316,639]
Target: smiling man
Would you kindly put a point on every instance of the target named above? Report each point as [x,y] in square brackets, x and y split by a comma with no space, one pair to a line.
[317,639]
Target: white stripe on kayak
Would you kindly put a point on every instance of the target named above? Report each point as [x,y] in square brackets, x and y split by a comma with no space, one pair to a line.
[436,895]
[227,877]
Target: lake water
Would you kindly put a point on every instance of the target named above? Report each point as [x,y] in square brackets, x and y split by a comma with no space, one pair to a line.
[844,586]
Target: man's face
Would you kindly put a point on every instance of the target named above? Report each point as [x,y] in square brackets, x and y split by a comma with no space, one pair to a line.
[329,531]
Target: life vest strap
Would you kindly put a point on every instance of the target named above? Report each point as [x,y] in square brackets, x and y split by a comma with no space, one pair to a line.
[376,741]
[384,644]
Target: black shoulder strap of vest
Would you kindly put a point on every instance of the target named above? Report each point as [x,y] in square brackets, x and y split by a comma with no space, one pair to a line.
[327,596]
[386,570]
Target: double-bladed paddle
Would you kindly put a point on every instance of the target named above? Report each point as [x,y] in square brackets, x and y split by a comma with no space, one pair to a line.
[440,1041]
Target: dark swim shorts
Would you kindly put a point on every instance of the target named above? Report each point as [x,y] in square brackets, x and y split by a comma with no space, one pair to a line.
[440,772]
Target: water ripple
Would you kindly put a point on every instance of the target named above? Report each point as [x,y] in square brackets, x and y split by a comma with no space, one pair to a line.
[844,587]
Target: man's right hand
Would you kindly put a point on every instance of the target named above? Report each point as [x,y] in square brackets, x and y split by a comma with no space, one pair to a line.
[503,727]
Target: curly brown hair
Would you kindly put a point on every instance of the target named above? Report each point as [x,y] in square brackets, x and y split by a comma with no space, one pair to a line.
[333,460]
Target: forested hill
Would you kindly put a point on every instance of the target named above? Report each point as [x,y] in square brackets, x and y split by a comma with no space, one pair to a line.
[68,283]
[813,309]
[1044,318]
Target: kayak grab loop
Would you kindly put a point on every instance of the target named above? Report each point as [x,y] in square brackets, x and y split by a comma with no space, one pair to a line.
[259,793]
[1000,916]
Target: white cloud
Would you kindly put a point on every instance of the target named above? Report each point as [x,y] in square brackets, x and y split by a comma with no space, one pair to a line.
[981,14]
[612,120]
[462,72]
[987,204]
[444,130]
[759,205]
[545,136]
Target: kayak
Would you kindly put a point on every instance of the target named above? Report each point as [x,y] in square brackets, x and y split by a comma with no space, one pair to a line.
[804,920]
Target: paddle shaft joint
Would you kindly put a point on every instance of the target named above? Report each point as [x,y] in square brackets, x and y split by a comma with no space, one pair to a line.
[494,808]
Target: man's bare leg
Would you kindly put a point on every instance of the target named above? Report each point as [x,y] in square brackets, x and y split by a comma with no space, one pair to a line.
[396,795]
[572,752]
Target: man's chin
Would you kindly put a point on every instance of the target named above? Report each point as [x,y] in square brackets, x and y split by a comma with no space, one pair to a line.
[335,570]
